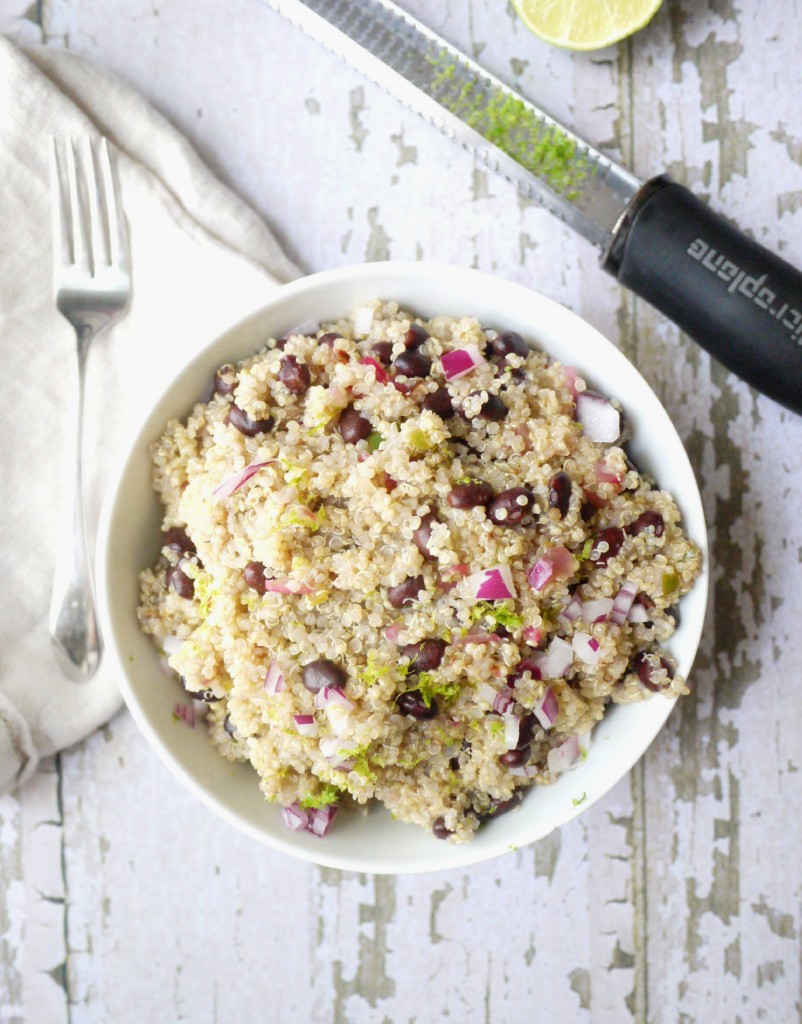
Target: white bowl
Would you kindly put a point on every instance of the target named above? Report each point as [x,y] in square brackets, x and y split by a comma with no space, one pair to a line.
[130,541]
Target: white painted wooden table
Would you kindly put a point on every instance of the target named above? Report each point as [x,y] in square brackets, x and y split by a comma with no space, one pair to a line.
[679,896]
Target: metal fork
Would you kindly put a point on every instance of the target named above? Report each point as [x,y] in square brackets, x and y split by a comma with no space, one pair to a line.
[92,283]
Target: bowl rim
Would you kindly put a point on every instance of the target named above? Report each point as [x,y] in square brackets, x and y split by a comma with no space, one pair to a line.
[142,432]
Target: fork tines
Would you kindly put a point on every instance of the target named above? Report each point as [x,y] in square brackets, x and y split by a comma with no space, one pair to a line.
[88,227]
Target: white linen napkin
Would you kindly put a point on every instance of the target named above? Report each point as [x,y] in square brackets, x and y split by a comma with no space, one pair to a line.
[201,258]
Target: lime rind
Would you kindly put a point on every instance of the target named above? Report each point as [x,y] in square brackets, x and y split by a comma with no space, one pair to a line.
[585,24]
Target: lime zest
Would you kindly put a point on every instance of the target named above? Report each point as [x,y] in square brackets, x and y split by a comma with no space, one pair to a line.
[429,688]
[507,122]
[501,613]
[327,795]
[374,672]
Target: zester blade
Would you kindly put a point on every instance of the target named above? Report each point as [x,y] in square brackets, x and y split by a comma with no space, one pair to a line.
[512,136]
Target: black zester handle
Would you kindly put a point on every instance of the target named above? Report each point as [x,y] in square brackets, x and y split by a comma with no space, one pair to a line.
[735,298]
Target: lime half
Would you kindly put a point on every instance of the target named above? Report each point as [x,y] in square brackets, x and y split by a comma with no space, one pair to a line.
[585,24]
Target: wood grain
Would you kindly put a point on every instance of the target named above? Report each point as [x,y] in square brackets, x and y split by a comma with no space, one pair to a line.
[676,898]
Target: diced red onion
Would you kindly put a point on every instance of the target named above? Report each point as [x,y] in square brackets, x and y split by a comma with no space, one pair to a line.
[532,635]
[492,584]
[526,771]
[320,819]
[238,479]
[382,376]
[331,695]
[393,632]
[305,724]
[571,376]
[295,817]
[563,561]
[586,648]
[553,663]
[339,719]
[547,709]
[597,610]
[461,361]
[572,610]
[185,712]
[566,756]
[622,604]
[638,612]
[600,420]
[487,693]
[363,319]
[329,745]
[557,562]
[503,701]
[605,475]
[287,587]
[512,731]
[540,574]
[274,680]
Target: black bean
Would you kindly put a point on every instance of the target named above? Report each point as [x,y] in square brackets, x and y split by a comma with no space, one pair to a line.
[323,672]
[560,493]
[516,758]
[412,703]
[254,575]
[412,364]
[207,696]
[526,729]
[228,725]
[329,339]
[406,592]
[511,507]
[415,336]
[645,521]
[353,426]
[499,807]
[470,495]
[611,541]
[439,402]
[509,342]
[511,375]
[294,375]
[178,539]
[225,380]
[245,425]
[587,511]
[645,600]
[492,408]
[423,533]
[647,665]
[439,829]
[424,656]
[383,350]
[182,584]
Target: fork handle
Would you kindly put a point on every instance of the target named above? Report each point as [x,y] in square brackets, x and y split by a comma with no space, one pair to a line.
[73,620]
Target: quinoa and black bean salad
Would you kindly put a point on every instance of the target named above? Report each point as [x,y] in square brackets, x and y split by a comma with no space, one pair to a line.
[409,560]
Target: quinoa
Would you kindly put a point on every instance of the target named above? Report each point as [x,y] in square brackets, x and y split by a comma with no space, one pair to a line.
[422,591]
